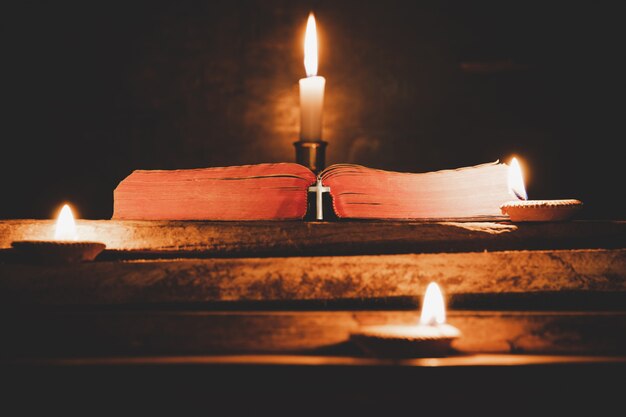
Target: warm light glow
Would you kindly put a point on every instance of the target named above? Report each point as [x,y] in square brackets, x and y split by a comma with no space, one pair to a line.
[310,47]
[516,180]
[66,228]
[433,308]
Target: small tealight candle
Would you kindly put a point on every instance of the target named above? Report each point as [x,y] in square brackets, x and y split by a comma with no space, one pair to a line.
[524,210]
[64,249]
[432,336]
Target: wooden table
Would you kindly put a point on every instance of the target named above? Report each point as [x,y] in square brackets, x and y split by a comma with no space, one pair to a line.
[238,305]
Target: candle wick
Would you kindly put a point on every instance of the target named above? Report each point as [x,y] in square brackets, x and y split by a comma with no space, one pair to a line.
[518,195]
[430,322]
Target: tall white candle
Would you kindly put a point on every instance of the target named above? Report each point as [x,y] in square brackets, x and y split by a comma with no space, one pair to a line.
[311,88]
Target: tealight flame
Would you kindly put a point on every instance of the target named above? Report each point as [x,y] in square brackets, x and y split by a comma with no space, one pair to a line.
[516,180]
[310,47]
[433,308]
[66,228]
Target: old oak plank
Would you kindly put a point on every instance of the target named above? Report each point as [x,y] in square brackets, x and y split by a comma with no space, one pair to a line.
[299,238]
[312,278]
[312,385]
[457,360]
[146,333]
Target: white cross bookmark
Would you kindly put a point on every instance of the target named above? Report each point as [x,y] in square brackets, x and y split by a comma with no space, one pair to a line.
[319,189]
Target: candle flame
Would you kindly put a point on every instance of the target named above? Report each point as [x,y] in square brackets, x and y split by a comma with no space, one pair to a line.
[310,47]
[65,228]
[516,180]
[433,308]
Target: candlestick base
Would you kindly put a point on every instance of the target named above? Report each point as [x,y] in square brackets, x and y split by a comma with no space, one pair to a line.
[57,252]
[417,341]
[311,154]
[541,210]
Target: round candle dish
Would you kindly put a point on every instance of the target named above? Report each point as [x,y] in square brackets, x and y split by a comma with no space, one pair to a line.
[406,341]
[57,252]
[541,210]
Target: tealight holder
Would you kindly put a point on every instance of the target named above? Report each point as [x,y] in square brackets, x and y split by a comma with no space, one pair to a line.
[57,252]
[541,210]
[406,341]
[65,249]
[431,337]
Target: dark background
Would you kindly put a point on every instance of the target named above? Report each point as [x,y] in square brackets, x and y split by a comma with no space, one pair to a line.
[92,90]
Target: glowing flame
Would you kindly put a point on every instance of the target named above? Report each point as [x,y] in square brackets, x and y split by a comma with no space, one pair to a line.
[433,308]
[66,228]
[310,47]
[516,180]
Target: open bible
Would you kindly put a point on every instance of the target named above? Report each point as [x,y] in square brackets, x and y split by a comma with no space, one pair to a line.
[281,191]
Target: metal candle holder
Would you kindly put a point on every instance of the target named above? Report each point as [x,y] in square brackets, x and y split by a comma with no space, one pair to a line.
[311,154]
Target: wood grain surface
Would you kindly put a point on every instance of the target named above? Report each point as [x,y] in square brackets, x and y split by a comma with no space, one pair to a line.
[303,238]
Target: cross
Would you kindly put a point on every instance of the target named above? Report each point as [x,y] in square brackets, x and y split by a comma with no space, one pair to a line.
[319,189]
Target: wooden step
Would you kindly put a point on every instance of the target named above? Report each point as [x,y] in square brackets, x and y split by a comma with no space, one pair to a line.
[300,238]
[29,333]
[313,278]
[288,385]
